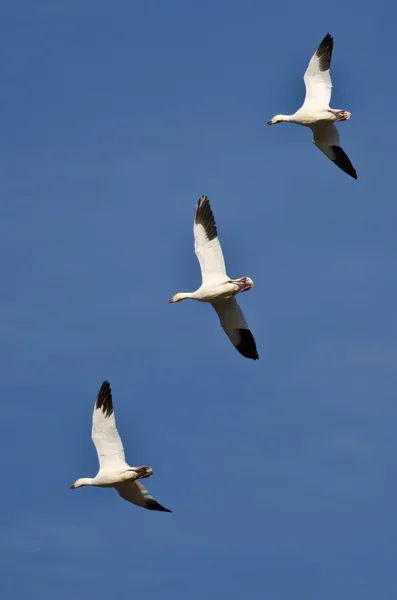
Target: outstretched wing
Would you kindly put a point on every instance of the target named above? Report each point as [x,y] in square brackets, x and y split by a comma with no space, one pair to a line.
[206,243]
[135,492]
[104,431]
[326,138]
[317,77]
[236,328]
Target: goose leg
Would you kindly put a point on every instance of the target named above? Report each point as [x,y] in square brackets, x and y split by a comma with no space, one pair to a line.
[341,115]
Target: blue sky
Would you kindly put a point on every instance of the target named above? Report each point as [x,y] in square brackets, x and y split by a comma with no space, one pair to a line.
[281,472]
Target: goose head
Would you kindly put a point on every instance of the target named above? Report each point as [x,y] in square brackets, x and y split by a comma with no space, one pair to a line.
[177,298]
[78,483]
[276,119]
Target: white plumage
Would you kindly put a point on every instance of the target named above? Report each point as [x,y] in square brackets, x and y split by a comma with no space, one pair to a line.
[217,288]
[113,469]
[315,111]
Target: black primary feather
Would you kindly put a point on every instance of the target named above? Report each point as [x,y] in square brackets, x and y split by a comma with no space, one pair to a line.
[205,217]
[324,53]
[247,345]
[104,399]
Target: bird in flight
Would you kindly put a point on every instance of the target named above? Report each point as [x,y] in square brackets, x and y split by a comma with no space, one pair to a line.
[315,111]
[217,288]
[113,469]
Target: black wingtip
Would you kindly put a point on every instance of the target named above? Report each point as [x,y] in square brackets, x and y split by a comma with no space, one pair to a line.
[343,161]
[247,345]
[328,38]
[104,399]
[153,505]
[324,52]
[202,202]
[205,217]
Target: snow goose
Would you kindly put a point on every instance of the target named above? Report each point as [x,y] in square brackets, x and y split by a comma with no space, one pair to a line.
[315,111]
[217,288]
[113,470]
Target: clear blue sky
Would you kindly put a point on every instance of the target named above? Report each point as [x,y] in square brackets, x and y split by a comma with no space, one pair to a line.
[115,118]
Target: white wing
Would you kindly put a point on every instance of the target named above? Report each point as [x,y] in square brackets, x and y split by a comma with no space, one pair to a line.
[236,328]
[135,492]
[326,138]
[317,77]
[104,432]
[206,243]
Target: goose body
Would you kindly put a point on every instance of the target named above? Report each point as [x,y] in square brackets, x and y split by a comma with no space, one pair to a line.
[113,469]
[315,111]
[217,288]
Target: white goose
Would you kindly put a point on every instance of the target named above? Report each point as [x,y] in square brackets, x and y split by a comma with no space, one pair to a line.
[217,288]
[113,470]
[315,111]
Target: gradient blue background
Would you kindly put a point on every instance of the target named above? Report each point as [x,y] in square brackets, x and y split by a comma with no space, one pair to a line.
[281,473]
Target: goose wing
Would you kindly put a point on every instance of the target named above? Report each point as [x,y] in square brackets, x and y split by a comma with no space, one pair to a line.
[206,243]
[104,431]
[317,77]
[135,492]
[236,328]
[326,138]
